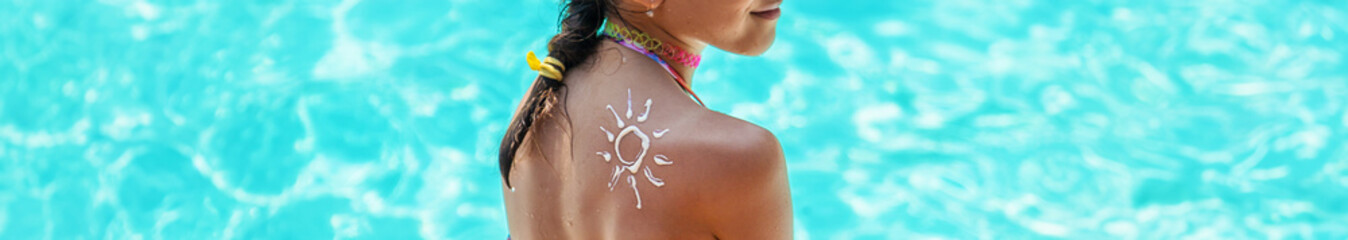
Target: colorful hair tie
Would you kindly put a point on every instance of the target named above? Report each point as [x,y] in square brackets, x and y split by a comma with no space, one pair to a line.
[549,67]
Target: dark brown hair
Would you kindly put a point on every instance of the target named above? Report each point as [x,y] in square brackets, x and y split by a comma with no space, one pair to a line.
[580,23]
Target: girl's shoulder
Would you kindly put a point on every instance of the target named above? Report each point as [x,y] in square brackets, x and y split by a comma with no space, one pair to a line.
[737,177]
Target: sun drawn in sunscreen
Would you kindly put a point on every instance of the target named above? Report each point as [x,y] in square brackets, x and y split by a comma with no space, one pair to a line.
[628,165]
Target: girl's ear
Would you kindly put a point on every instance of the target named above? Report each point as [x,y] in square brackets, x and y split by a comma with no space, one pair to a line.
[645,5]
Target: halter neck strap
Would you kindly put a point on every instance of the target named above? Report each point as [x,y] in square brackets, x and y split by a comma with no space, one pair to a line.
[678,79]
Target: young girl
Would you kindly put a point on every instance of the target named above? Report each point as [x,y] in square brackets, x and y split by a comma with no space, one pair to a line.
[611,143]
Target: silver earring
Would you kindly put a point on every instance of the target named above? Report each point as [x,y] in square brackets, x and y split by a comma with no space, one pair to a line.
[651,12]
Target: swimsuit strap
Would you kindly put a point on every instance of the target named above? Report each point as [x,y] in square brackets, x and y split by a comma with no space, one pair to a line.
[682,84]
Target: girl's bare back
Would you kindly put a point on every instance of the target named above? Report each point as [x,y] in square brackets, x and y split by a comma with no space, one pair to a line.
[632,157]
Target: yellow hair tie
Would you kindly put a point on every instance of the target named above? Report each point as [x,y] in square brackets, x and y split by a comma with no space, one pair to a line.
[549,68]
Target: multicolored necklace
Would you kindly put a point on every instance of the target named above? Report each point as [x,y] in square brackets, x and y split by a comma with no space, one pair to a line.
[674,53]
[640,42]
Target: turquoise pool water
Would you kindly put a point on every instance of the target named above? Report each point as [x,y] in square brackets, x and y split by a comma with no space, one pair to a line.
[959,119]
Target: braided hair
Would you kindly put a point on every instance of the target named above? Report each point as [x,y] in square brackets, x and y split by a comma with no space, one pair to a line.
[581,21]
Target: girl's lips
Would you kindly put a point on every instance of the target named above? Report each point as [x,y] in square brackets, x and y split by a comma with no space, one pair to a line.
[770,14]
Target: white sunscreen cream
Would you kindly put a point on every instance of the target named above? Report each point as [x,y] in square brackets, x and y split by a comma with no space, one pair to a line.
[630,165]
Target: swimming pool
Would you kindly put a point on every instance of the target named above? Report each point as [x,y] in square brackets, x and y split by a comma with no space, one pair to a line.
[959,119]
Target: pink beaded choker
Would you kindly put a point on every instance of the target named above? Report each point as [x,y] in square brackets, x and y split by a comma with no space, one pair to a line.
[673,53]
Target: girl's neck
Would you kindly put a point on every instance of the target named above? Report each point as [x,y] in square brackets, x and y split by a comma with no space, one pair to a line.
[684,71]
